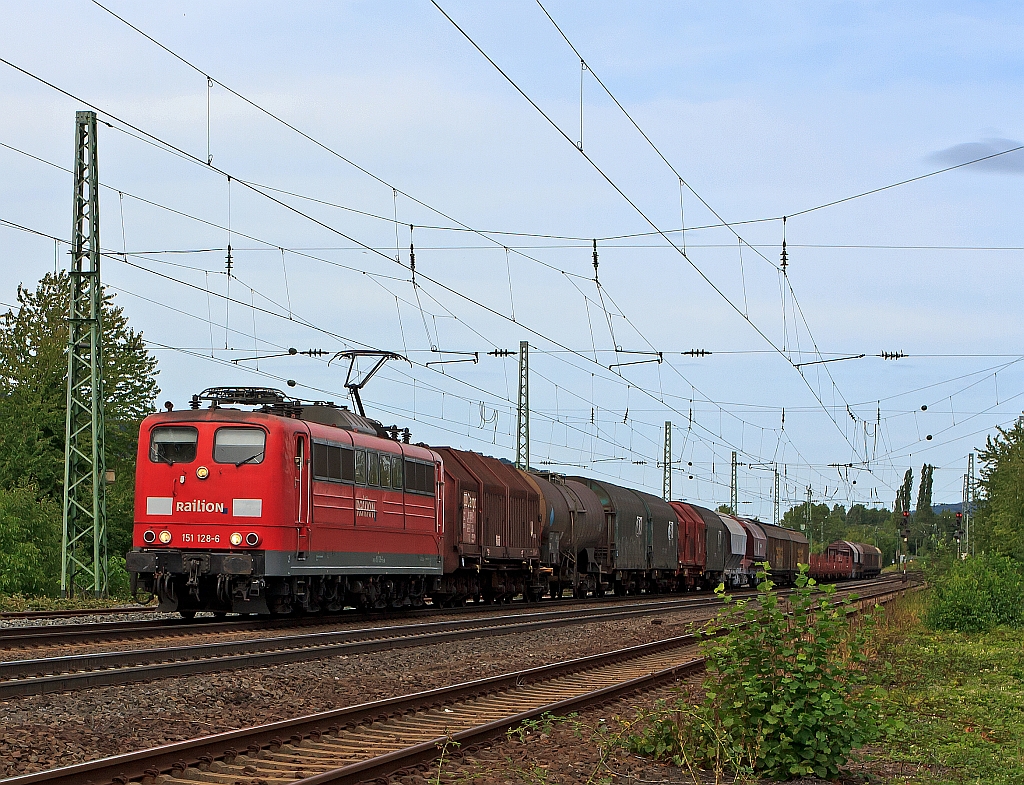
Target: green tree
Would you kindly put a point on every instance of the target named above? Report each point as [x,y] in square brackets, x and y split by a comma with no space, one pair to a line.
[923,531]
[999,521]
[903,495]
[30,532]
[797,518]
[33,397]
[858,524]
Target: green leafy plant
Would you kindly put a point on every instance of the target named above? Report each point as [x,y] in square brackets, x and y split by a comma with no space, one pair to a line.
[544,724]
[977,594]
[785,695]
[30,531]
[685,734]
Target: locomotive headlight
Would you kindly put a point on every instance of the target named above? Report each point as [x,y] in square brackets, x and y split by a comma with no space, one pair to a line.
[251,539]
[202,472]
[165,536]
[236,538]
[149,537]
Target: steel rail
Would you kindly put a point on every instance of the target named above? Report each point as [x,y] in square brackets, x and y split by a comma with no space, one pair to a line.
[59,634]
[56,674]
[37,636]
[396,762]
[301,750]
[234,744]
[83,671]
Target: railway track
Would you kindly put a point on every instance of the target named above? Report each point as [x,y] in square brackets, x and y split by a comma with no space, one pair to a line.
[38,636]
[108,632]
[86,670]
[373,740]
[78,671]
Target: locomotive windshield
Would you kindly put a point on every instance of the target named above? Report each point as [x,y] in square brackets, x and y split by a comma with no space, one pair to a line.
[239,445]
[173,445]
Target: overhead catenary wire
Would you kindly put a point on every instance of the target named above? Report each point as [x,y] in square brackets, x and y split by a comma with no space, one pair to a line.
[119,257]
[268,244]
[168,147]
[639,211]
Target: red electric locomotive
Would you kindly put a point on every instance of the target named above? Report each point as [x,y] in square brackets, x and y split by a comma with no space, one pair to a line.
[291,505]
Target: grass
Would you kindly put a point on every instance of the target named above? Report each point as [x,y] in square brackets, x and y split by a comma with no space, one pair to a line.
[956,702]
[17,602]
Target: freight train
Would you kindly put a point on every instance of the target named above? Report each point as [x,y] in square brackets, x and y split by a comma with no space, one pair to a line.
[260,503]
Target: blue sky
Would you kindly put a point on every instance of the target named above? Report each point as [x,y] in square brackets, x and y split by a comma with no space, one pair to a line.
[765,110]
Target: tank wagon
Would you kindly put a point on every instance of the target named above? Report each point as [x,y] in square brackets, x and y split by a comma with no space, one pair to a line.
[286,505]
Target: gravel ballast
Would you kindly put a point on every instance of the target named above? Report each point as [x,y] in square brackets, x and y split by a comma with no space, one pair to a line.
[46,731]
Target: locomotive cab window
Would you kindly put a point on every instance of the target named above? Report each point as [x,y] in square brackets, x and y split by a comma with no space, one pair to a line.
[396,473]
[372,475]
[239,445]
[173,444]
[385,471]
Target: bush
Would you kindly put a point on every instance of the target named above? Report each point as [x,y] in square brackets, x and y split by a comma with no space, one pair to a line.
[30,533]
[977,594]
[118,580]
[785,695]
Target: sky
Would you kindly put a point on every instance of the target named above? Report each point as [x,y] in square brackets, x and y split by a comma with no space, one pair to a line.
[342,132]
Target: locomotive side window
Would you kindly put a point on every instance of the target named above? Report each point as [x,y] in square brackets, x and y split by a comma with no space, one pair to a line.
[360,466]
[331,462]
[372,475]
[348,464]
[396,473]
[173,445]
[419,477]
[385,471]
[239,445]
[334,462]
[428,478]
[320,461]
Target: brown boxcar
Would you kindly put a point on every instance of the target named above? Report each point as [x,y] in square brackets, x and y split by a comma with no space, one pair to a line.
[692,544]
[717,545]
[492,521]
[786,550]
[866,559]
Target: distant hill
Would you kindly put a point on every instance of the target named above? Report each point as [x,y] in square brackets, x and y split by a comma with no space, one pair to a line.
[937,508]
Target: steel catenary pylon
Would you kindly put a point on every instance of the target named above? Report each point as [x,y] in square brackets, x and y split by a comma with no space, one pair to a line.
[84,540]
[523,418]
